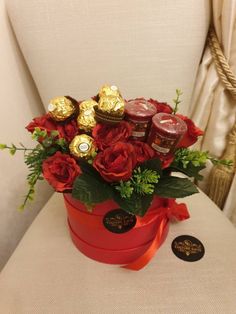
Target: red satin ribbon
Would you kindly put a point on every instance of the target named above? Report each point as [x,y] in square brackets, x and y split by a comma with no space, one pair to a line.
[148,255]
[174,210]
[169,210]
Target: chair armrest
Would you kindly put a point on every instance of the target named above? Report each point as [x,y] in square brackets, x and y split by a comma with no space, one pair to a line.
[19,103]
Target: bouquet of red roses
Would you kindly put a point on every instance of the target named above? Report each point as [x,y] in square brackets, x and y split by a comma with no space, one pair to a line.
[113,159]
[108,148]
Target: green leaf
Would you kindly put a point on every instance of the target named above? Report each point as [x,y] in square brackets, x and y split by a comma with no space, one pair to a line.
[47,142]
[190,170]
[54,133]
[174,187]
[136,204]
[38,133]
[89,169]
[21,207]
[61,142]
[91,190]
[152,164]
[12,149]
[3,146]
[51,150]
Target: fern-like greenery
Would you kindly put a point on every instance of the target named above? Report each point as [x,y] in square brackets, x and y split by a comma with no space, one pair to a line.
[187,156]
[142,182]
[34,157]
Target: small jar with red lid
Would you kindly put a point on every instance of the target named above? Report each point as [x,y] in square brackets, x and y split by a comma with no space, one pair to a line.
[165,133]
[139,113]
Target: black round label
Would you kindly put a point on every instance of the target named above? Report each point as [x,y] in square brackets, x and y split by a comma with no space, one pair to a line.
[188,248]
[119,221]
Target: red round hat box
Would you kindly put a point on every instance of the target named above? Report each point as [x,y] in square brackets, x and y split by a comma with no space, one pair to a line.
[96,242]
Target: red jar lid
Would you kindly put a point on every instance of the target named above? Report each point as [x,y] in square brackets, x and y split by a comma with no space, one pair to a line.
[169,124]
[140,109]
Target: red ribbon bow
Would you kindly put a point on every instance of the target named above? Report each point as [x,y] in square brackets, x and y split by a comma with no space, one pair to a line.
[170,211]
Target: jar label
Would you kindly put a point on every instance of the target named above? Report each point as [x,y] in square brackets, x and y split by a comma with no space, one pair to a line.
[163,144]
[139,128]
[138,134]
[160,149]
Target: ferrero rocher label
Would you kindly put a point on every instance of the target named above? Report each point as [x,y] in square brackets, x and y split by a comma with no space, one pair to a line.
[82,146]
[112,104]
[108,90]
[61,108]
[86,119]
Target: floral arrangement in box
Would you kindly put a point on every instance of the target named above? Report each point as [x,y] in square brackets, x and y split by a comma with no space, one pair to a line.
[107,153]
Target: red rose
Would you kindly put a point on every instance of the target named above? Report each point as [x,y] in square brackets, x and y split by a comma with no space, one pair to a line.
[143,151]
[161,106]
[44,123]
[116,163]
[60,170]
[137,99]
[106,135]
[191,136]
[68,130]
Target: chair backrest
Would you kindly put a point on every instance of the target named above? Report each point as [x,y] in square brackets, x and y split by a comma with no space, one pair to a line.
[147,48]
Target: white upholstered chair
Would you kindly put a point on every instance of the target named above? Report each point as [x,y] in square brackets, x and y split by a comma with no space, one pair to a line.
[147,48]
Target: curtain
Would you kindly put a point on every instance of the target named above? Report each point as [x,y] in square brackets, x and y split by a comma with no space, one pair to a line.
[213,108]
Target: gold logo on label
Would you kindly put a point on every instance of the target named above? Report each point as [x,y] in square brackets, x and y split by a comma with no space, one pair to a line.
[119,221]
[188,247]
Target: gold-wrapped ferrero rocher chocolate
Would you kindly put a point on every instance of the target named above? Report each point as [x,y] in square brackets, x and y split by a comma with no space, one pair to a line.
[114,105]
[61,108]
[86,119]
[111,105]
[82,146]
[107,90]
[87,105]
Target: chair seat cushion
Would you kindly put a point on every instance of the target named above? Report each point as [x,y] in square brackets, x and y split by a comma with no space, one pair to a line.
[47,274]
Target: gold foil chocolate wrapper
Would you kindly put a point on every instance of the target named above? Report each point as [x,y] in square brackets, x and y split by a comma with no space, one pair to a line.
[61,108]
[87,105]
[107,90]
[82,146]
[86,119]
[112,104]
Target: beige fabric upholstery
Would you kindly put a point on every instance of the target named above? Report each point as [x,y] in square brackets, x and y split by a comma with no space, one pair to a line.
[19,102]
[147,48]
[47,274]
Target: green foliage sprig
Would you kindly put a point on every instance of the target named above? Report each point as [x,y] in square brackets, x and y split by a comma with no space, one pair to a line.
[141,182]
[12,149]
[136,194]
[177,100]
[186,156]
[34,157]
[191,162]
